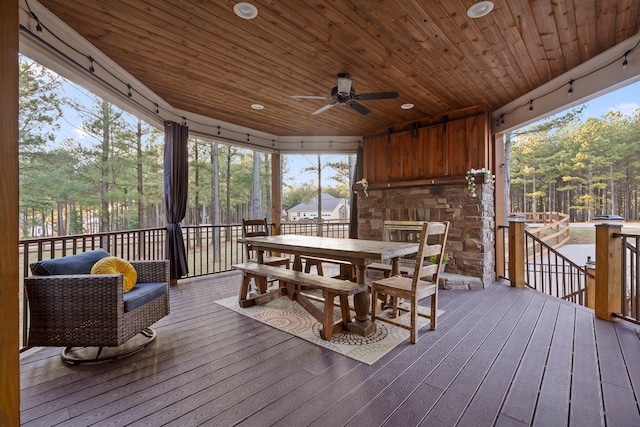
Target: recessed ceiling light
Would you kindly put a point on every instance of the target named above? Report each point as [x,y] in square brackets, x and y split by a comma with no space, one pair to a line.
[245,10]
[480,9]
[407,106]
[257,106]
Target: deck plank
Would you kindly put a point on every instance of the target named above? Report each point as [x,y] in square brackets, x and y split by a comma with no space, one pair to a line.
[555,391]
[381,395]
[493,352]
[301,395]
[148,373]
[488,398]
[168,386]
[447,407]
[519,406]
[586,395]
[348,388]
[620,405]
[630,344]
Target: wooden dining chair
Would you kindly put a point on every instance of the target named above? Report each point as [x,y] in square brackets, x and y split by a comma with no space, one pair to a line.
[256,228]
[423,283]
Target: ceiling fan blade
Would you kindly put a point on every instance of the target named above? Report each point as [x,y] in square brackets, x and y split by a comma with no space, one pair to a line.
[325,108]
[359,108]
[376,95]
[311,97]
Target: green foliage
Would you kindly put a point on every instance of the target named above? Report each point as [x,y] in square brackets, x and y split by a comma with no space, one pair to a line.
[40,108]
[293,196]
[582,168]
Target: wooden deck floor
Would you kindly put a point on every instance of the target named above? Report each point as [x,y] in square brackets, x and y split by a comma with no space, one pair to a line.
[501,356]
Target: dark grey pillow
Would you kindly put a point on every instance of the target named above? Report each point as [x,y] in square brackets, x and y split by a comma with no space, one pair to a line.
[73,264]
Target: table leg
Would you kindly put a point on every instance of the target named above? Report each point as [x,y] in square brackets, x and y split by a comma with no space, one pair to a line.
[362,324]
[292,288]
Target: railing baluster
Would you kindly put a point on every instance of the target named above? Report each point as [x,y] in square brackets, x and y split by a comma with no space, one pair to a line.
[548,271]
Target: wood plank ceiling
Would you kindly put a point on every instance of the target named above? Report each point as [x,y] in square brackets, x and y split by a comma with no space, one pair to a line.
[199,56]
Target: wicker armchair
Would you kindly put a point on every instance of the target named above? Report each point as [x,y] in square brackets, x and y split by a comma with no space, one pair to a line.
[89,310]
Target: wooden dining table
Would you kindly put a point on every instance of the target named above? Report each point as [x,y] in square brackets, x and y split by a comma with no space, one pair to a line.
[356,251]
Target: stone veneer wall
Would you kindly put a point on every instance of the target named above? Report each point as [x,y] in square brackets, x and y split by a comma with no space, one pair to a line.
[471,241]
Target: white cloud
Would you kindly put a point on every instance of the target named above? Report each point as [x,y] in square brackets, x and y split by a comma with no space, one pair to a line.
[79,133]
[627,108]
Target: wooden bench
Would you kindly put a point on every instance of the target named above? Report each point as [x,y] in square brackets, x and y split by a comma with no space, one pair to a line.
[291,281]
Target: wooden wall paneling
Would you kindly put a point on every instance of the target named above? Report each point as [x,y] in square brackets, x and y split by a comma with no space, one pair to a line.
[397,142]
[367,158]
[475,145]
[438,154]
[9,279]
[434,147]
[382,159]
[457,149]
[409,154]
[375,159]
[422,159]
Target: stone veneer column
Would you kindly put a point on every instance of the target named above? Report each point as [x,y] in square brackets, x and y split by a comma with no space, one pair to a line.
[471,242]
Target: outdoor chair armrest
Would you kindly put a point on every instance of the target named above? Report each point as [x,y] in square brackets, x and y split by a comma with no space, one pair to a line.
[152,271]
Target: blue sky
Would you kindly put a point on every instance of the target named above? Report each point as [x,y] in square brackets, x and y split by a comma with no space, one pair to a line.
[625,100]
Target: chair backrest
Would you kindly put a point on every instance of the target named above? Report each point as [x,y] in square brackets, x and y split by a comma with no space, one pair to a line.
[433,239]
[402,231]
[254,228]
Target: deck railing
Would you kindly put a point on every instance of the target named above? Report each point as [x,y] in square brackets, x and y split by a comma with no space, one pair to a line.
[551,228]
[630,278]
[210,249]
[550,272]
[543,268]
[610,286]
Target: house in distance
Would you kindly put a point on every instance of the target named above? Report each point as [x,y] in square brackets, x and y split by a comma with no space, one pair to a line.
[332,208]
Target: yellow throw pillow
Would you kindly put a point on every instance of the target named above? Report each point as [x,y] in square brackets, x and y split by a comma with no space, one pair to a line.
[115,265]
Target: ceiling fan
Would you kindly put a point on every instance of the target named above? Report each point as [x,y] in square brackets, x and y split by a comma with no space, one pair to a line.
[345,94]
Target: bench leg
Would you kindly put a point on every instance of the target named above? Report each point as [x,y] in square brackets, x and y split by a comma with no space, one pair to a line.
[327,324]
[346,312]
[261,282]
[244,288]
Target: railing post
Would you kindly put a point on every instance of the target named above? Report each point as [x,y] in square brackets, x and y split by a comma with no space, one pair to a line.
[516,250]
[608,272]
[591,284]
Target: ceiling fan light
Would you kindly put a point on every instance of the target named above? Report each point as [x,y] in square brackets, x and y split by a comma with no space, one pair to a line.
[407,106]
[480,9]
[344,84]
[245,10]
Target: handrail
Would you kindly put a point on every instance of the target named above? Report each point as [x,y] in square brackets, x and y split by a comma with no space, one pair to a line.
[630,292]
[550,272]
[557,221]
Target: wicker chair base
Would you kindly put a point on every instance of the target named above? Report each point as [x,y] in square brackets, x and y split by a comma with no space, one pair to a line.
[77,355]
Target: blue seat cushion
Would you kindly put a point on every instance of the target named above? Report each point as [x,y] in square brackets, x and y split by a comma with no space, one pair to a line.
[142,293]
[73,264]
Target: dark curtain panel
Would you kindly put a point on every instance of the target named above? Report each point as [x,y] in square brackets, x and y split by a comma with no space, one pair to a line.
[176,168]
[353,221]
